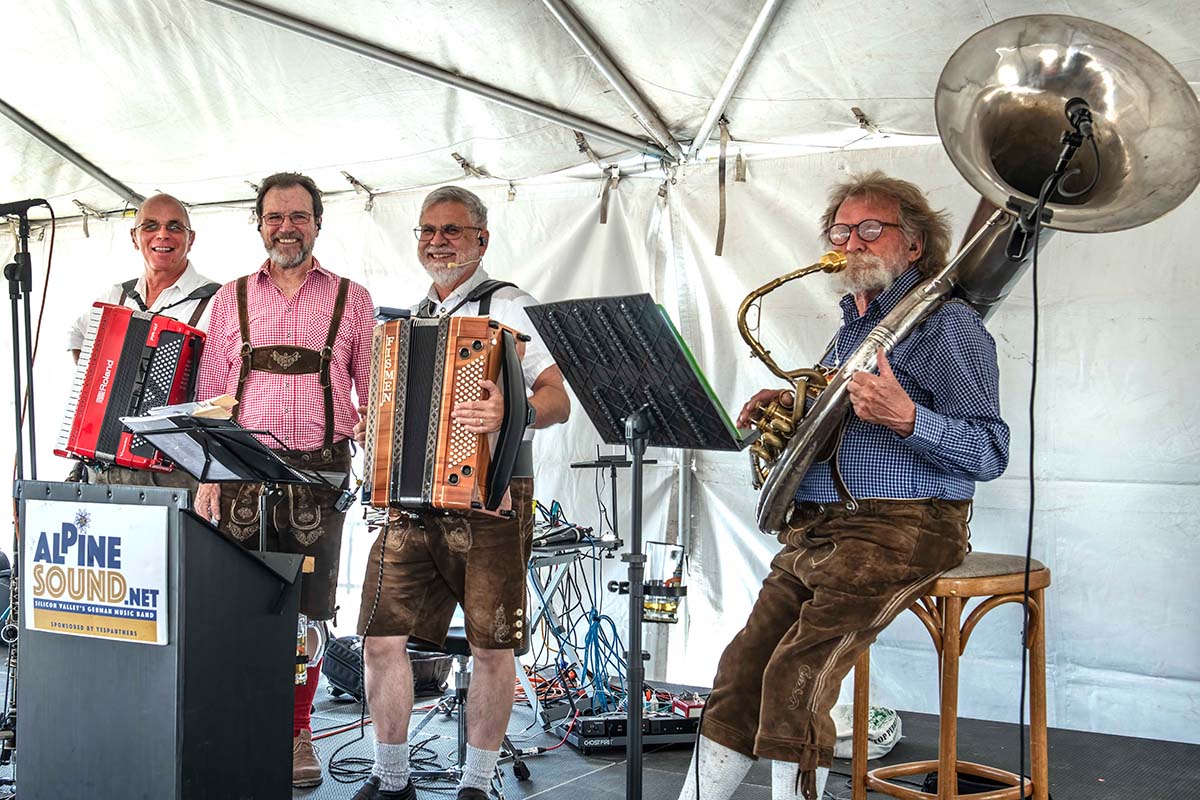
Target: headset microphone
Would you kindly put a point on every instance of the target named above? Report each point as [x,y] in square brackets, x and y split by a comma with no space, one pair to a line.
[482,240]
[457,264]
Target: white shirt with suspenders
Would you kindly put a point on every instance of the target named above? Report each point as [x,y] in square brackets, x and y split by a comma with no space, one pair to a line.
[181,300]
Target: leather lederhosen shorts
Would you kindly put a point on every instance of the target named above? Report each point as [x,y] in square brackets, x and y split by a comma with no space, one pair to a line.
[435,561]
[299,520]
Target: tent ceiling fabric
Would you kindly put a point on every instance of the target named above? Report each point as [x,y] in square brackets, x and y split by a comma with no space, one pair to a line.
[192,98]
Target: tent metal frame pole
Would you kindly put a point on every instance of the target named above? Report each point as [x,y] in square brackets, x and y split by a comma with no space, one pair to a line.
[439,75]
[758,31]
[61,148]
[643,112]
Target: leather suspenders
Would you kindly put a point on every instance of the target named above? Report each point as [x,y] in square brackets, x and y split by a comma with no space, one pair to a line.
[291,360]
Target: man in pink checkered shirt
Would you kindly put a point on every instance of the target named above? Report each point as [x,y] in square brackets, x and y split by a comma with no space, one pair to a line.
[289,341]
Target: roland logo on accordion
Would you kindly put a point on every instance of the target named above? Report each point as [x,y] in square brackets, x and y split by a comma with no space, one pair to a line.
[416,457]
[130,362]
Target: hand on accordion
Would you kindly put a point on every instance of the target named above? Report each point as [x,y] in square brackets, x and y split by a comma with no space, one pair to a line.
[360,427]
[481,416]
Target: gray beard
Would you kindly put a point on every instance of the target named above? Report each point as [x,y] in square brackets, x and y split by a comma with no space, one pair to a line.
[447,277]
[864,272]
[288,262]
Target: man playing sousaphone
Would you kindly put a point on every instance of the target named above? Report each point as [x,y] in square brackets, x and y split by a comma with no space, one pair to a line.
[922,432]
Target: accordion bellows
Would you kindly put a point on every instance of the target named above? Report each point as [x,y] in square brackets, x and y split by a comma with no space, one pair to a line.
[131,362]
[416,456]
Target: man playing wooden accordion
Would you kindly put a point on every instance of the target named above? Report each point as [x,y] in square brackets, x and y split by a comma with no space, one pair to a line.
[432,561]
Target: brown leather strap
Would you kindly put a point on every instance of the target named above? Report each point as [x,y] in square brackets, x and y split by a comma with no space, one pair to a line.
[836,471]
[203,294]
[244,324]
[339,308]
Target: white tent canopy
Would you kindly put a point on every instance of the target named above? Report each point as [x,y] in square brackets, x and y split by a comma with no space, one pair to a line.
[199,100]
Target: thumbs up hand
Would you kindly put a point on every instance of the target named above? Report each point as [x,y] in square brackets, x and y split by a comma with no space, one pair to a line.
[881,400]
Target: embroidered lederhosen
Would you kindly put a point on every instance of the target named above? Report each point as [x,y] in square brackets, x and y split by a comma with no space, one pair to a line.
[302,520]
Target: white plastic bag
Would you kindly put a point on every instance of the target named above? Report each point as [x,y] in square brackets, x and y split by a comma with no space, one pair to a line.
[883,731]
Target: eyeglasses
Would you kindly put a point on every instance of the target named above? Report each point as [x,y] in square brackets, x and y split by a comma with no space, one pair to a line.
[155,227]
[298,218]
[425,233]
[868,230]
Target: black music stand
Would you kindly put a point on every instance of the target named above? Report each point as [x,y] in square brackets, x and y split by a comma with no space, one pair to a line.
[221,451]
[640,385]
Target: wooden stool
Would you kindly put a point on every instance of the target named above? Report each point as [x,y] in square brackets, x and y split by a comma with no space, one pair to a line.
[999,579]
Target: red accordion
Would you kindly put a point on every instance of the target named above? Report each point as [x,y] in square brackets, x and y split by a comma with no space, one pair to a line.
[416,457]
[131,362]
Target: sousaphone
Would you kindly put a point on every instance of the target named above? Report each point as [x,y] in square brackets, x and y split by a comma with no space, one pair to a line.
[1006,103]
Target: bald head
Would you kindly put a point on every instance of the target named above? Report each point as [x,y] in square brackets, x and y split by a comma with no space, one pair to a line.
[162,204]
[162,233]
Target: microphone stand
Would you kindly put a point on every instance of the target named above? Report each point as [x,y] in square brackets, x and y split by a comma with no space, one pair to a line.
[20,283]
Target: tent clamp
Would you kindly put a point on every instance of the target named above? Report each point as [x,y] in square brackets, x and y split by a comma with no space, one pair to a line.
[613,177]
[863,120]
[470,169]
[582,143]
[86,211]
[361,188]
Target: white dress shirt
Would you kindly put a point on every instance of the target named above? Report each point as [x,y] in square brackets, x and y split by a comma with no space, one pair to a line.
[188,282]
[508,308]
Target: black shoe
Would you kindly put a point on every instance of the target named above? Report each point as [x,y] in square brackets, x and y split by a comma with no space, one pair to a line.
[471,793]
[371,791]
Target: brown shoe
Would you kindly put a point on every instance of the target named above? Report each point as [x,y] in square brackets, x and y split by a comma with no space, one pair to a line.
[306,767]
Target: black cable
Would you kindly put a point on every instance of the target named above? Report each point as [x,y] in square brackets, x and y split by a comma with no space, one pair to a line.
[1095,178]
[350,767]
[1043,196]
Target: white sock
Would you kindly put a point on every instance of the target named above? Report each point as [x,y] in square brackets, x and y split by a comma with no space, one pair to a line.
[479,768]
[391,765]
[783,780]
[721,771]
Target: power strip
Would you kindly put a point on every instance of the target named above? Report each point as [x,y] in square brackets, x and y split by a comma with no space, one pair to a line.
[588,734]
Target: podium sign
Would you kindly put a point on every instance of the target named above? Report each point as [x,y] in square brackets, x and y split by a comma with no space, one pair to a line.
[205,716]
[96,569]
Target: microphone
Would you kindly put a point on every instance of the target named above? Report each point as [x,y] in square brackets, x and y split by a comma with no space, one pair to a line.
[457,264]
[1079,113]
[20,206]
[564,534]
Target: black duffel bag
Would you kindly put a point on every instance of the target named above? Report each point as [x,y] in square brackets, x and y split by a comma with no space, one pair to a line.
[343,669]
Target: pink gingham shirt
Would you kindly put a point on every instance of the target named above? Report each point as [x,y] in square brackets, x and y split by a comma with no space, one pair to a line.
[290,406]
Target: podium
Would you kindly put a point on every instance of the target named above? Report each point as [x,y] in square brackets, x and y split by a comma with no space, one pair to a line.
[205,714]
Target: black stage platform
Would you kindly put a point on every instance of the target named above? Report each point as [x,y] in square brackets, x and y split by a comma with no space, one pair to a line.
[1083,766]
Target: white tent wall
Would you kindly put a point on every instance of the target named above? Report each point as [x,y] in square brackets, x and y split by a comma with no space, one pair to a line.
[1117,457]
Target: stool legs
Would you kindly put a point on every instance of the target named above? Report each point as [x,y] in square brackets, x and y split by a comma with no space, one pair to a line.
[944,622]
[948,722]
[1039,760]
[862,703]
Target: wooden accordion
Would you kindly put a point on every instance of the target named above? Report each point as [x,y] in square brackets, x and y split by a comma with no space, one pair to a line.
[131,362]
[416,457]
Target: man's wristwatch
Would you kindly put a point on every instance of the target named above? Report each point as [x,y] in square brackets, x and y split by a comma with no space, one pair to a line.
[530,415]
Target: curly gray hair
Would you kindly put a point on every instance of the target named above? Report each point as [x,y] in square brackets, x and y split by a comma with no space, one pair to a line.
[918,221]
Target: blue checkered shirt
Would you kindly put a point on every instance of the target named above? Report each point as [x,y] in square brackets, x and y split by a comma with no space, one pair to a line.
[948,367]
